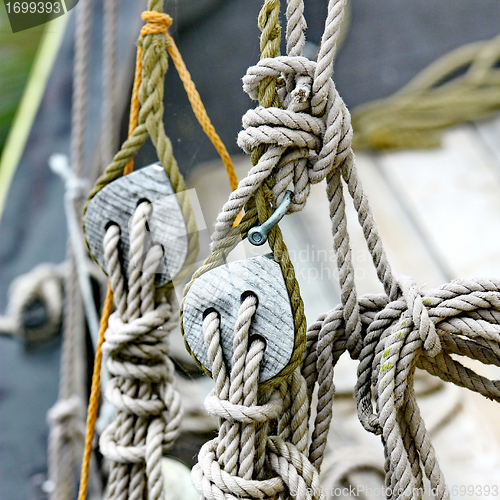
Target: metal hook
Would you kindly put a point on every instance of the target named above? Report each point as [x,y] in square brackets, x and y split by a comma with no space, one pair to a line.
[258,235]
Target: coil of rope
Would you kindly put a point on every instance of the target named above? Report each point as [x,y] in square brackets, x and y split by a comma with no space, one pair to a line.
[436,99]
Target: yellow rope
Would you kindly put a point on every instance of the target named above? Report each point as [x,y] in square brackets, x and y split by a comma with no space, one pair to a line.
[93,408]
[157,23]
[200,112]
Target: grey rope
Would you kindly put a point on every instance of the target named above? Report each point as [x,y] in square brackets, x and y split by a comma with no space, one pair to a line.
[109,132]
[141,385]
[67,419]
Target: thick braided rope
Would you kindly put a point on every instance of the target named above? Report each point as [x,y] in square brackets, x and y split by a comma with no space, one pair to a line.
[279,130]
[141,387]
[306,135]
[416,115]
[462,317]
[244,461]
[333,160]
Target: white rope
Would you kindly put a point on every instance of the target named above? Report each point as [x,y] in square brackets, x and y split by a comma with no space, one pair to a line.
[44,283]
[141,385]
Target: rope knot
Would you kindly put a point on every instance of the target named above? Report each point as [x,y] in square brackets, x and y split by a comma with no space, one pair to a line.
[137,354]
[157,22]
[244,414]
[414,330]
[138,349]
[68,411]
[214,481]
[419,316]
[306,139]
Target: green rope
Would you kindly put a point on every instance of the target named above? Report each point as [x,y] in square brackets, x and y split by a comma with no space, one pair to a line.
[270,38]
[270,47]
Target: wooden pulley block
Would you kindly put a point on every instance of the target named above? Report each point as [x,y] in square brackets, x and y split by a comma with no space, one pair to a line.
[223,289]
[116,204]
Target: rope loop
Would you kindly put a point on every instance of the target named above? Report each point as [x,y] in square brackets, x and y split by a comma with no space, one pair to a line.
[244,414]
[43,286]
[68,413]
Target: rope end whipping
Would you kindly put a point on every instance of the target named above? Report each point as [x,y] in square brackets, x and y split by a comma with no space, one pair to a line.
[157,22]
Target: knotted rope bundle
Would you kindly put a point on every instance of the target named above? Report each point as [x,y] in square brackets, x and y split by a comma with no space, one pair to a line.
[260,451]
[417,330]
[307,138]
[299,136]
[141,387]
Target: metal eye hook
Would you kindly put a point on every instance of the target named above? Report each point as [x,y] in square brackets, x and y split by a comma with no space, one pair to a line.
[258,235]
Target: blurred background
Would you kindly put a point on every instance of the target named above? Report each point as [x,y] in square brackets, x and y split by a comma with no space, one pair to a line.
[429,156]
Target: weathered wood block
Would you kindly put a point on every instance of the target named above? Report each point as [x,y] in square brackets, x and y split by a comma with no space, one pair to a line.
[222,289]
[117,202]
